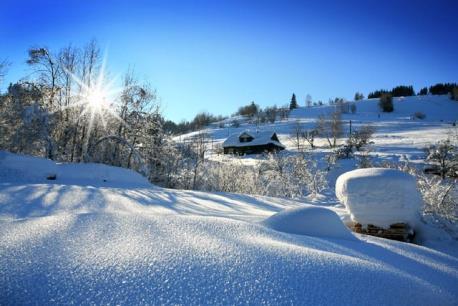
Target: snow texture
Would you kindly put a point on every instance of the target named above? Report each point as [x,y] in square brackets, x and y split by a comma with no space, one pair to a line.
[379,196]
[310,221]
[133,243]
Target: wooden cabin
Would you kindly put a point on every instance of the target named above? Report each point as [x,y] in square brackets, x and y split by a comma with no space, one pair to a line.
[252,143]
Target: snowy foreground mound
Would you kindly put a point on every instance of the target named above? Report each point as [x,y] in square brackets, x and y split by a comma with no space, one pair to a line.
[379,196]
[98,244]
[310,221]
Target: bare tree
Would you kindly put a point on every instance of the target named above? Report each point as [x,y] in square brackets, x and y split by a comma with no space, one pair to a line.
[297,135]
[330,127]
[309,136]
[46,66]
[199,146]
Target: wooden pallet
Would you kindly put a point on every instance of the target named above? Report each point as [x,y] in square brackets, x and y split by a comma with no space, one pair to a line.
[397,231]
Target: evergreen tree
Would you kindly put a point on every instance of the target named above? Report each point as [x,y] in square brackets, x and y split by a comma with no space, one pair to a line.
[293,103]
[402,91]
[423,91]
[377,94]
[442,88]
[358,96]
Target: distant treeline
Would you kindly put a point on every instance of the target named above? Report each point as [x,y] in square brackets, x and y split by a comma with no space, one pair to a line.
[407,91]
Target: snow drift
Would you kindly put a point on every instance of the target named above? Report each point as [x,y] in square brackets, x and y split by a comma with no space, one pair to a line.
[19,168]
[310,221]
[379,196]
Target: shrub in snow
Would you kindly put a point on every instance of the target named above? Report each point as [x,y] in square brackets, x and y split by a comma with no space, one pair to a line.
[419,115]
[386,103]
[310,221]
[361,137]
[455,93]
[353,108]
[379,196]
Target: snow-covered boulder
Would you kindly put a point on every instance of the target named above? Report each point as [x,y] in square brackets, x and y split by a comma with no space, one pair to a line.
[379,196]
[310,221]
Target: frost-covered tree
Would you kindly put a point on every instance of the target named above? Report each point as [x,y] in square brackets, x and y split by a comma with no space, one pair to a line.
[444,156]
[24,122]
[441,199]
[308,100]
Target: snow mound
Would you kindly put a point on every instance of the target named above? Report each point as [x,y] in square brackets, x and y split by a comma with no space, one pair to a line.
[21,168]
[379,196]
[310,221]
[99,174]
[15,167]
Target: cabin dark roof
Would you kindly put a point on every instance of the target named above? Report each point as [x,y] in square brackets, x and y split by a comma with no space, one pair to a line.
[257,139]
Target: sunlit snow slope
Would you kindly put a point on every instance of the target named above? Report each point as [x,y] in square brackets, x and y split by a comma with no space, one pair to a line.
[102,235]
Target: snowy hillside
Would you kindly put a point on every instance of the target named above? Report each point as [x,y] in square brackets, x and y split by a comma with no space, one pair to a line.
[397,133]
[103,235]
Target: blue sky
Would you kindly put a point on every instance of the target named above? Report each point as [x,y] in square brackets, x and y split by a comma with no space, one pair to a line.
[218,55]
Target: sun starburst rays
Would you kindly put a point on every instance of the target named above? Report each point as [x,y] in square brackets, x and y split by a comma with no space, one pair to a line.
[97,97]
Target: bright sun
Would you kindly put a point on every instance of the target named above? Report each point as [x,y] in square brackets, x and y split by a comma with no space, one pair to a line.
[97,99]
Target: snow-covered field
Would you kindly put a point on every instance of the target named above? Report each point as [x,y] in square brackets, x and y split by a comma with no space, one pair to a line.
[104,235]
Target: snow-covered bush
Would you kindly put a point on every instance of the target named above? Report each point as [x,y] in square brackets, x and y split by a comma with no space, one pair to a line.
[440,197]
[292,176]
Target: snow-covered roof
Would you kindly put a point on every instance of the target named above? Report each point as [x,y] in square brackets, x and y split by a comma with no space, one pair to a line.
[259,138]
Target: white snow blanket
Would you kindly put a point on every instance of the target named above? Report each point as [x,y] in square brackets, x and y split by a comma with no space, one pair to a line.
[125,242]
[379,196]
[311,221]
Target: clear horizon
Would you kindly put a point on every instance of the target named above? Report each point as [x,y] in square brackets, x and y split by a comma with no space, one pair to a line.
[216,56]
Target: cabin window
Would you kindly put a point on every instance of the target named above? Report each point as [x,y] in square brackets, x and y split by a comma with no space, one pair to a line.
[245,138]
